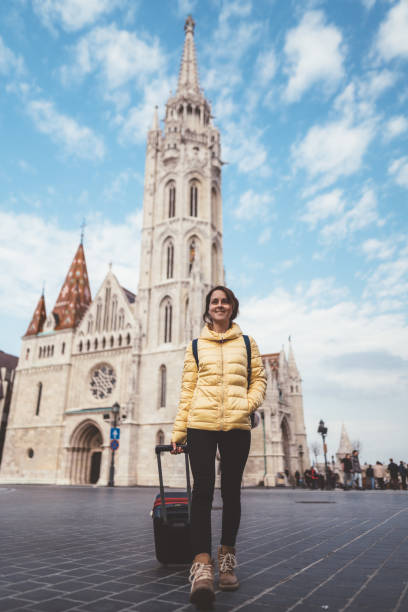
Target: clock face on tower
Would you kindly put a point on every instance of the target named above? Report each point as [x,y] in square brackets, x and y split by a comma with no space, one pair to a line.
[102,381]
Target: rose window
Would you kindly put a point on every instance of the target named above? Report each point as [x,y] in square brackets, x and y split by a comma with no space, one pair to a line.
[103,381]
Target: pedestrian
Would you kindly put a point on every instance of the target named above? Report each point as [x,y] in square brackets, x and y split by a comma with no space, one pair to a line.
[314,477]
[379,474]
[214,411]
[356,471]
[403,475]
[393,471]
[370,477]
[297,478]
[347,467]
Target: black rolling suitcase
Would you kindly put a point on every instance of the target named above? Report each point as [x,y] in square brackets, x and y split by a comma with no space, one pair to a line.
[171,518]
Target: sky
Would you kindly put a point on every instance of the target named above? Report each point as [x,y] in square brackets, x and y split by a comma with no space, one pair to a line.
[311,99]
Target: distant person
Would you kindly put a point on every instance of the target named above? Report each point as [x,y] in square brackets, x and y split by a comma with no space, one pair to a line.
[393,470]
[356,471]
[370,477]
[347,467]
[297,478]
[403,475]
[314,475]
[379,474]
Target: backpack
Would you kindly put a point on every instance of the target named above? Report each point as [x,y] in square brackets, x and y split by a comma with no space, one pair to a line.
[254,416]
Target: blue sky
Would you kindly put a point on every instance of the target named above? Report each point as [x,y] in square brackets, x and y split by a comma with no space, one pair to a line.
[311,100]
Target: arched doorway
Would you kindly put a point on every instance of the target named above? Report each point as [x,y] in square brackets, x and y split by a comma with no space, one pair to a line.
[285,444]
[86,453]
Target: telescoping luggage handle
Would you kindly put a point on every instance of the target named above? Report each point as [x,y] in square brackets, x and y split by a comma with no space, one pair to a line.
[166,448]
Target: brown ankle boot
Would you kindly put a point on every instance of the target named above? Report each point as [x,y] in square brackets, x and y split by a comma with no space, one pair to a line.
[227,580]
[202,581]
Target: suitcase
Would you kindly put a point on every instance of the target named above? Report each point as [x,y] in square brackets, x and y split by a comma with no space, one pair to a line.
[171,518]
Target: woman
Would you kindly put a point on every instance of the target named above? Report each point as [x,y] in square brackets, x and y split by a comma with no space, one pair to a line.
[214,411]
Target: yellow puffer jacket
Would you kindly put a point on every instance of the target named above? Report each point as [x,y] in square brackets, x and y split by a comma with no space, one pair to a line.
[216,397]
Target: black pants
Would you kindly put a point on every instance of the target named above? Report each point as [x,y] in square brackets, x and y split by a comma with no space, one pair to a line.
[234,449]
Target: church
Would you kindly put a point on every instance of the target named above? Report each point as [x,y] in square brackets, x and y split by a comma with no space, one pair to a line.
[117,359]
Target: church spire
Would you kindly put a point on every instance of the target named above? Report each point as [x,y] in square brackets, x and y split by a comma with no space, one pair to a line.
[345,444]
[155,123]
[293,371]
[188,76]
[75,294]
[39,317]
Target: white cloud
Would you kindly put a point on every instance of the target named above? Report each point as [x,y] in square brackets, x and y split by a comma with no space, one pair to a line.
[333,150]
[378,249]
[359,216]
[265,235]
[368,4]
[23,236]
[323,206]
[314,53]
[395,126]
[390,279]
[76,140]
[72,15]
[252,205]
[138,119]
[348,355]
[118,56]
[120,183]
[376,83]
[242,146]
[10,63]
[265,67]
[185,7]
[392,39]
[399,170]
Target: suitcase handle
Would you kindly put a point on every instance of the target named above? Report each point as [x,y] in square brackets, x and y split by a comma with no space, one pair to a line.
[163,448]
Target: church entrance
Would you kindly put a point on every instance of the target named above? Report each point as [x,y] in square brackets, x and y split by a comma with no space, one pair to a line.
[86,454]
[95,467]
[285,444]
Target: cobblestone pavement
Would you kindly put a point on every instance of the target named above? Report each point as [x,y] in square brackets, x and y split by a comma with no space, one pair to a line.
[91,549]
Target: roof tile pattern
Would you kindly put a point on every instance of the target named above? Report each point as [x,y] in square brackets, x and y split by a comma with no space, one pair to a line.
[38,320]
[75,294]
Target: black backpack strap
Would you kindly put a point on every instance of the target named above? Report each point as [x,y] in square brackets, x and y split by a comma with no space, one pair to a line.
[249,357]
[194,346]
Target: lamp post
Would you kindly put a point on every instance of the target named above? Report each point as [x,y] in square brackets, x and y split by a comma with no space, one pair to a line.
[115,409]
[301,453]
[323,431]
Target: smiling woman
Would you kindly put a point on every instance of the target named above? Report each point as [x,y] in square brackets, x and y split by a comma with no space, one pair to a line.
[214,411]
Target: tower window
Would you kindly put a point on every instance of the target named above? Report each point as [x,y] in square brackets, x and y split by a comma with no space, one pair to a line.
[27,353]
[170,260]
[88,345]
[39,394]
[80,347]
[40,352]
[168,315]
[192,253]
[162,388]
[128,339]
[172,200]
[193,199]
[160,437]
[63,348]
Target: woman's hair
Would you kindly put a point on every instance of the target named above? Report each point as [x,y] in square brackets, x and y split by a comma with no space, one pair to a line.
[232,299]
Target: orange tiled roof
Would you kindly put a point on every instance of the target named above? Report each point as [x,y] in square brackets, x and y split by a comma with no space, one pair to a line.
[38,320]
[75,294]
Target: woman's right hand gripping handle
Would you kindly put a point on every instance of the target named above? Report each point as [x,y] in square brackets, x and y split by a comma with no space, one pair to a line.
[177,449]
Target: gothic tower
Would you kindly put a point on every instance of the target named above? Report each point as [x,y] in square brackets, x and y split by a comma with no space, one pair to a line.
[181,257]
[182,218]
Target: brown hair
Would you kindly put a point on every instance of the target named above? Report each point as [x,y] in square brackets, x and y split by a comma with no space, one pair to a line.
[232,299]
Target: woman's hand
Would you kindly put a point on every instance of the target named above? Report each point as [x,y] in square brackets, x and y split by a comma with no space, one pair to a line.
[176,449]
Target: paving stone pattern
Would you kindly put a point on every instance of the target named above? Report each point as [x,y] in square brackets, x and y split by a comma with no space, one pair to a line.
[91,549]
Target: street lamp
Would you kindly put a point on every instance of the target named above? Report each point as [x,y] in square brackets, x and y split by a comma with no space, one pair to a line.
[115,409]
[323,431]
[301,453]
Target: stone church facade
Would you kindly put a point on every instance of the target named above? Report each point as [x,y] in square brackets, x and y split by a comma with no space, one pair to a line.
[86,355]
